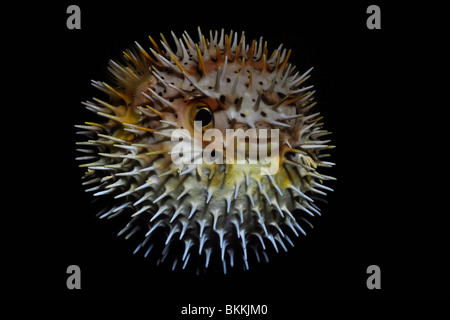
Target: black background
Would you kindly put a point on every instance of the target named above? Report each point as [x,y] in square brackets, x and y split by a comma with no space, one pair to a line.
[379,214]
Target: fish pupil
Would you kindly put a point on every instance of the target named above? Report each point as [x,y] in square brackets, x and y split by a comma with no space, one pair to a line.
[205,116]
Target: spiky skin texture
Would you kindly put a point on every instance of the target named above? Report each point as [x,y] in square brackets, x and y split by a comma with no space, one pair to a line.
[227,208]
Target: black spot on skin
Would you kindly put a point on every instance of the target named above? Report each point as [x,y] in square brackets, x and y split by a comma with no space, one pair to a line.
[222,99]
[176,116]
[228,80]
[263,114]
[242,115]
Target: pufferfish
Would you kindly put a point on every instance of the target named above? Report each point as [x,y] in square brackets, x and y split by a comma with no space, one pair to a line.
[229,210]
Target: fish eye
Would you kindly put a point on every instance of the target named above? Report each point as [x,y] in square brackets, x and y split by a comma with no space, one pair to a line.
[204,115]
[202,112]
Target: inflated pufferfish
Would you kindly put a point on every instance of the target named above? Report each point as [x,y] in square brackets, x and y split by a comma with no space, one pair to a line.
[200,208]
